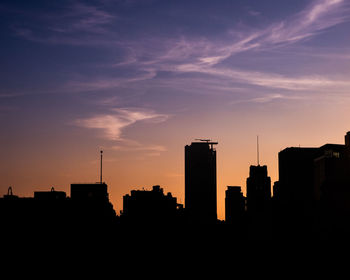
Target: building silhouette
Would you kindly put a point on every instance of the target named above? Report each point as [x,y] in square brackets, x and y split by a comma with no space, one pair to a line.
[89,191]
[234,205]
[295,188]
[314,187]
[200,182]
[306,175]
[46,208]
[332,184]
[258,192]
[90,204]
[150,207]
[51,195]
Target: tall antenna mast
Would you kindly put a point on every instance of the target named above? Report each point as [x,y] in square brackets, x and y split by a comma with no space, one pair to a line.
[101,168]
[257,148]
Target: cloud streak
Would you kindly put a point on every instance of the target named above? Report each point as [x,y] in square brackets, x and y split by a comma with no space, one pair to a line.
[82,18]
[98,84]
[150,150]
[113,124]
[318,16]
[77,24]
[148,57]
[206,57]
[268,98]
[269,80]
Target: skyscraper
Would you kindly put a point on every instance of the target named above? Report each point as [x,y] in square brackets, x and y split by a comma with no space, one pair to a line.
[296,177]
[306,174]
[200,182]
[332,180]
[234,205]
[258,191]
[314,184]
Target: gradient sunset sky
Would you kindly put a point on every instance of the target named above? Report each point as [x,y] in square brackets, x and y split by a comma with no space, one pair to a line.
[142,79]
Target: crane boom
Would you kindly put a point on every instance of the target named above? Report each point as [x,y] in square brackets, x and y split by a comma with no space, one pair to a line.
[208,141]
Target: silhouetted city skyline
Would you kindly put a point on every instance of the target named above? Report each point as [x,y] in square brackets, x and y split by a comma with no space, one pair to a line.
[311,198]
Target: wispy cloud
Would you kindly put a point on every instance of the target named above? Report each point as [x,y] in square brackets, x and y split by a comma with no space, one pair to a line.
[254,13]
[270,80]
[145,149]
[81,18]
[78,24]
[81,22]
[269,98]
[10,95]
[139,147]
[112,127]
[111,82]
[206,56]
[315,18]
[113,124]
[318,16]
[145,58]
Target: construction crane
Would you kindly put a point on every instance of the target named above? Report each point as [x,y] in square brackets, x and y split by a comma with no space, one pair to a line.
[208,141]
[203,140]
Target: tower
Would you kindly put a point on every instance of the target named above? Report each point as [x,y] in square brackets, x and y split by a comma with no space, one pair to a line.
[234,205]
[200,182]
[258,192]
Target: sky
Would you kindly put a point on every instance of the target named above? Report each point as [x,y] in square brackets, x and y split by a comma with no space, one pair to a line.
[142,79]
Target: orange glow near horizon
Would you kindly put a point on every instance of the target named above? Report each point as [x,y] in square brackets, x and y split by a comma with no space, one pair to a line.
[125,171]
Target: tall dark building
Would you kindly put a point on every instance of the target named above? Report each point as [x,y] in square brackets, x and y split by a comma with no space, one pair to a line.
[200,182]
[314,183]
[234,205]
[332,180]
[258,191]
[303,173]
[296,178]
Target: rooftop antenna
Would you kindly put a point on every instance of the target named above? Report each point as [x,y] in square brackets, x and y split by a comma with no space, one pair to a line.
[101,168]
[257,149]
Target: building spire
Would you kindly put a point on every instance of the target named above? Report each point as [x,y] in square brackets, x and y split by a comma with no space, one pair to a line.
[257,149]
[101,167]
